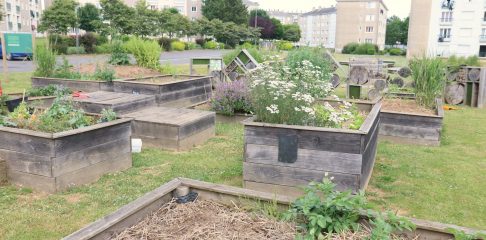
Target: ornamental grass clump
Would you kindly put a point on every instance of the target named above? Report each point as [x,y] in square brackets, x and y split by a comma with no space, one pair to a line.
[284,95]
[231,97]
[429,75]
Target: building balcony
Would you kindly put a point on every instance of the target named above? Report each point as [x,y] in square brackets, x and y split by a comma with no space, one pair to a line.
[446,20]
[444,39]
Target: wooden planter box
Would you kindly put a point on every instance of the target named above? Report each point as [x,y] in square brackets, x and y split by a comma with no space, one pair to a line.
[132,213]
[75,85]
[54,162]
[3,171]
[282,158]
[170,91]
[412,128]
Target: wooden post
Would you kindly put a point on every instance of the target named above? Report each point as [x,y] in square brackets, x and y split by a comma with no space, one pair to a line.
[4,62]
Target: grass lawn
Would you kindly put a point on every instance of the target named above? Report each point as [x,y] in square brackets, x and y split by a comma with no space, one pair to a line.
[442,184]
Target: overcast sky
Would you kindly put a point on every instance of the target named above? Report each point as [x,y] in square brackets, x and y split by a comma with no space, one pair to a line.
[400,8]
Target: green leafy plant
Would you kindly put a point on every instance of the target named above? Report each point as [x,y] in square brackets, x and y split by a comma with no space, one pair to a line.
[64,71]
[75,50]
[316,56]
[104,73]
[429,76]
[324,210]
[118,54]
[45,61]
[107,115]
[146,52]
[285,46]
[178,46]
[49,90]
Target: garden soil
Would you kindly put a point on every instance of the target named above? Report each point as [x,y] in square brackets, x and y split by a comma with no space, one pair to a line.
[121,72]
[405,106]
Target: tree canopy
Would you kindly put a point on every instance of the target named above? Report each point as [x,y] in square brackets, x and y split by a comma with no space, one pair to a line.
[225,10]
[59,17]
[120,18]
[89,17]
[396,30]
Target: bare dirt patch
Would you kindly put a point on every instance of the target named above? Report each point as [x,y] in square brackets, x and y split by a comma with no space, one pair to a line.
[207,220]
[74,198]
[129,71]
[405,106]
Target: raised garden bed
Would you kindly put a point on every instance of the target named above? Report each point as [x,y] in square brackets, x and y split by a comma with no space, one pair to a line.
[3,171]
[75,85]
[120,103]
[171,128]
[133,213]
[170,90]
[283,158]
[403,121]
[52,162]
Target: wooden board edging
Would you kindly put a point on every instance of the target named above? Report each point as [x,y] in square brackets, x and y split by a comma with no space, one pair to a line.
[439,111]
[92,230]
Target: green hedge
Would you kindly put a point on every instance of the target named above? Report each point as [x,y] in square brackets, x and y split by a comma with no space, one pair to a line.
[360,49]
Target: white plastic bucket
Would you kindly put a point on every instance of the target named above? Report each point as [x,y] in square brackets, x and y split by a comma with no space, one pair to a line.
[136,145]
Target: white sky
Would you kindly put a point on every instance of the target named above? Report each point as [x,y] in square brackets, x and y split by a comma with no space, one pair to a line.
[400,8]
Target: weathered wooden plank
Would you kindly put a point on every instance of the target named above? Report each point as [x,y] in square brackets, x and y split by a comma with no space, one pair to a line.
[158,142]
[410,141]
[77,142]
[295,177]
[185,93]
[93,172]
[373,130]
[407,120]
[409,132]
[135,87]
[119,148]
[37,182]
[127,215]
[145,128]
[78,85]
[186,102]
[312,140]
[197,125]
[27,163]
[29,144]
[176,86]
[371,119]
[3,171]
[291,192]
[196,139]
[306,159]
[369,156]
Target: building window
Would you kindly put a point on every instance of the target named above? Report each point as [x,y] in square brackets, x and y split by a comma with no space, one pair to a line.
[369,40]
[371,5]
[17,8]
[194,9]
[369,29]
[370,18]
[446,17]
[9,7]
[445,34]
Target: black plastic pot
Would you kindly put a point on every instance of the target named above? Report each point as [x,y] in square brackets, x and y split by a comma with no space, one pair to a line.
[12,104]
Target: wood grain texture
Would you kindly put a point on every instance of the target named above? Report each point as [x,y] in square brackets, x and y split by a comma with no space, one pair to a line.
[37,182]
[27,163]
[76,85]
[409,132]
[3,171]
[306,159]
[199,138]
[295,177]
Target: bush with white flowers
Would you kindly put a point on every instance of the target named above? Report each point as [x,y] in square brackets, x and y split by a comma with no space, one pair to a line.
[282,95]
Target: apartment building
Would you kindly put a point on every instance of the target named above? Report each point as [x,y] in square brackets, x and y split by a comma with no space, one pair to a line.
[318,28]
[284,17]
[447,27]
[361,21]
[21,15]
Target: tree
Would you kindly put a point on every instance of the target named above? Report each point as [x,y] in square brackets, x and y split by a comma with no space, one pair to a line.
[396,31]
[225,10]
[291,32]
[267,29]
[120,17]
[88,16]
[172,23]
[259,13]
[146,20]
[59,17]
[278,31]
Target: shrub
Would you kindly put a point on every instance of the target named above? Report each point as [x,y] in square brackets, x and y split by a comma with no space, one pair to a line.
[76,50]
[214,45]
[192,46]
[324,210]
[146,52]
[64,71]
[49,90]
[395,51]
[118,55]
[104,73]
[103,48]
[285,45]
[429,77]
[178,46]
[350,48]
[89,41]
[247,45]
[60,43]
[165,43]
[45,62]
[231,97]
[366,49]
[317,56]
[200,41]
